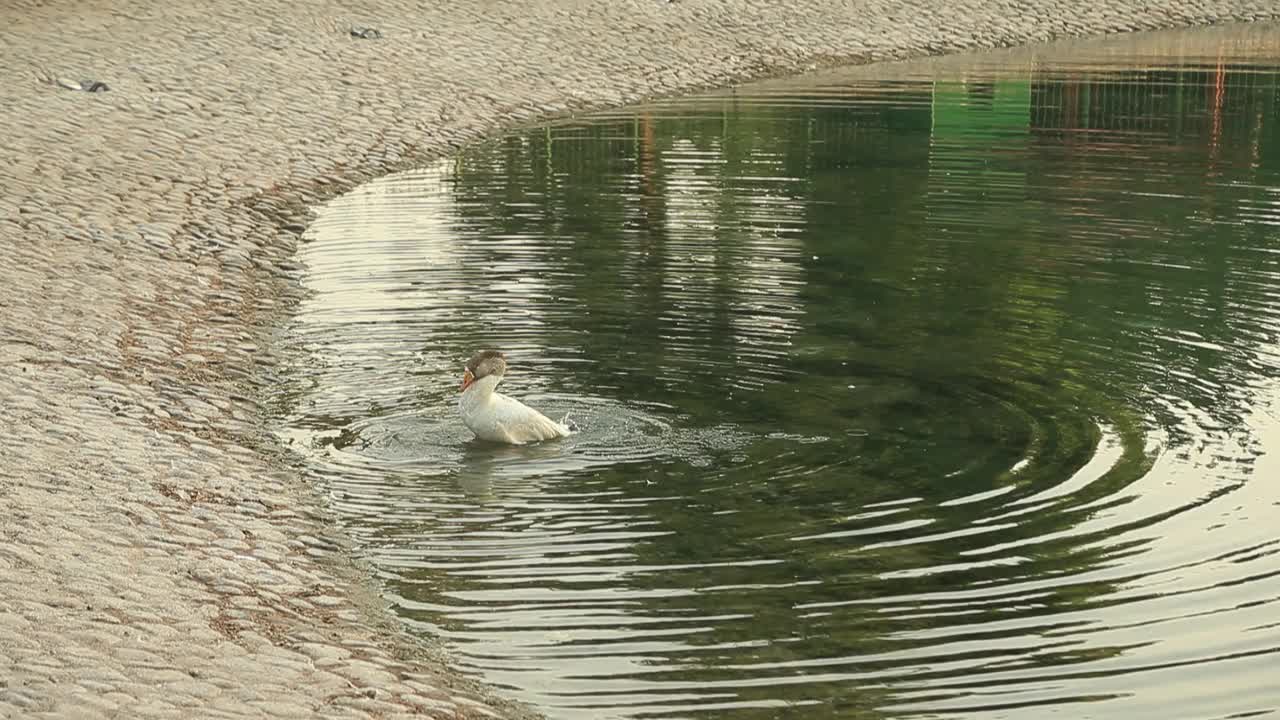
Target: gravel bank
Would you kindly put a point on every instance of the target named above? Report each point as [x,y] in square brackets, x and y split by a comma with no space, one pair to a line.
[157,558]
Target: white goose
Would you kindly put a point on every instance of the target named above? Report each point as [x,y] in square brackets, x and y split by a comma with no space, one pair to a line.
[494,416]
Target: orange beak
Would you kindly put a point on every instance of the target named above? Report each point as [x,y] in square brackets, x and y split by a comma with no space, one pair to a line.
[467,379]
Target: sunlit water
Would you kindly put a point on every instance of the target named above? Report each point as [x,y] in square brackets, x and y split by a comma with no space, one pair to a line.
[908,390]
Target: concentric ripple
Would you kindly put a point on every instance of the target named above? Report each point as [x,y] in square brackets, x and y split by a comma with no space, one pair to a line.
[906,390]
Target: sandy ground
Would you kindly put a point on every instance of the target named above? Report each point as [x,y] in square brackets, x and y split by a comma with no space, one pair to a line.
[158,557]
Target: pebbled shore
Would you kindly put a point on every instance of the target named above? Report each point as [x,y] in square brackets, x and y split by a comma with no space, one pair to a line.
[158,556]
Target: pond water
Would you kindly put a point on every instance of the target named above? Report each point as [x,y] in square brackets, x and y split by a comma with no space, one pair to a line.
[915,389]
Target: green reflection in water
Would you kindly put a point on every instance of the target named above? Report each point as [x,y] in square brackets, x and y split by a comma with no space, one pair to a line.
[920,392]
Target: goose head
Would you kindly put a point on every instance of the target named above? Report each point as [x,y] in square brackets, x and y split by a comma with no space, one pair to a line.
[486,363]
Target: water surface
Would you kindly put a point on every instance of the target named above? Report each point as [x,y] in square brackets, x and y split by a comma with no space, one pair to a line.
[919,389]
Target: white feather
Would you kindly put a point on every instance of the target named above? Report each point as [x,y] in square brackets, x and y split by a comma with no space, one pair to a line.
[496,417]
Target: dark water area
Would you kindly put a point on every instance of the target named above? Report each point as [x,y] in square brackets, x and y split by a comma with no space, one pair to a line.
[942,388]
